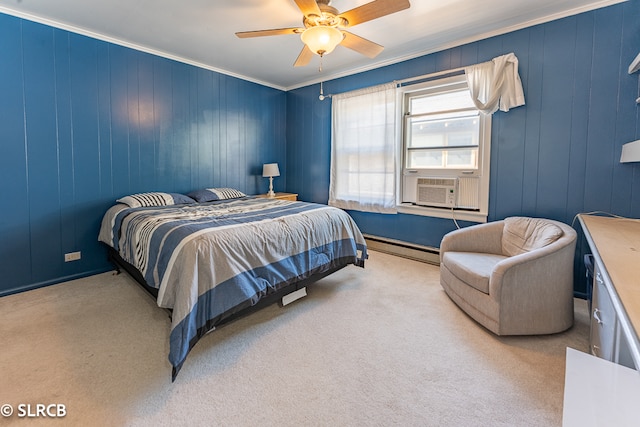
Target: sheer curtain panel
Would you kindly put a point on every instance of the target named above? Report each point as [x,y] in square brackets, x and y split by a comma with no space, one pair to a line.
[363,150]
[495,84]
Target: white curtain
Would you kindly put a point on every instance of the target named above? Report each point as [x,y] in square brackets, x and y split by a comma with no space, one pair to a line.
[495,84]
[363,151]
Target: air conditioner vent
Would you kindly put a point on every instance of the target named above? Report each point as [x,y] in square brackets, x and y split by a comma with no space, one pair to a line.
[448,182]
[439,192]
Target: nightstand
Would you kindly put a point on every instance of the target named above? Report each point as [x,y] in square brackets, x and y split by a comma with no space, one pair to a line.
[281,196]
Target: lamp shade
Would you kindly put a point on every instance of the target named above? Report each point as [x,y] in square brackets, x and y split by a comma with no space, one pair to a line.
[322,39]
[270,169]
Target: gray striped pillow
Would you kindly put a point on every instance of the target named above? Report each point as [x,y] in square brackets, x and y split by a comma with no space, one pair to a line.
[155,199]
[211,194]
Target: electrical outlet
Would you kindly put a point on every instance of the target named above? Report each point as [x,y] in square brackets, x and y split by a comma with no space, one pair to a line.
[72,256]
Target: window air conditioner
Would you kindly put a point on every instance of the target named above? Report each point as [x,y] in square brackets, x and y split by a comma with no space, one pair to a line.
[440,192]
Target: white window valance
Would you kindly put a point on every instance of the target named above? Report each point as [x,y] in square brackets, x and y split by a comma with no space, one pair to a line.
[495,84]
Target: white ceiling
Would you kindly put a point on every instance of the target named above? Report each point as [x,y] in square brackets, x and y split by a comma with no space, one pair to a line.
[202,32]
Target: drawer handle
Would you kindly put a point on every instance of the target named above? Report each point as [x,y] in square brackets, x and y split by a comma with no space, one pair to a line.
[599,278]
[596,315]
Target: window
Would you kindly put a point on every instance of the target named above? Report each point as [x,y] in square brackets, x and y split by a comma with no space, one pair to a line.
[445,150]
[445,144]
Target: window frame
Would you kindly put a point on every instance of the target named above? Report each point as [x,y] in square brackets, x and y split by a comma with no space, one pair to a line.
[482,172]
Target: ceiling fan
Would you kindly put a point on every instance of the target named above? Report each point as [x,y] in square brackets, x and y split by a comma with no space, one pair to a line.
[323,27]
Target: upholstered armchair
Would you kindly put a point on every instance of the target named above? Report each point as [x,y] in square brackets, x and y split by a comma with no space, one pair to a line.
[514,277]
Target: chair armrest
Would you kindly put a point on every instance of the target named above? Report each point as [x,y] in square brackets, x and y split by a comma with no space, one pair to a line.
[528,273]
[484,238]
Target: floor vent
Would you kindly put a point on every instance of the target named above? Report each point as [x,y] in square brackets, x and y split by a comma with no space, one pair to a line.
[403,249]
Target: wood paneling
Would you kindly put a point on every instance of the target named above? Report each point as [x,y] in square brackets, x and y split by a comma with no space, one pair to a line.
[84,122]
[554,157]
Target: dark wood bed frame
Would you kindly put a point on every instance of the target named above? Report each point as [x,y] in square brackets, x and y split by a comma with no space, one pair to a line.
[271,296]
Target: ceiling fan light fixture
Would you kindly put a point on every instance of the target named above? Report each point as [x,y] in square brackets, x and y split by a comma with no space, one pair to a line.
[322,39]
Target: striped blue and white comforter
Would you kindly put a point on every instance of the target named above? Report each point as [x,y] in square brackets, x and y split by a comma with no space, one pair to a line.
[210,259]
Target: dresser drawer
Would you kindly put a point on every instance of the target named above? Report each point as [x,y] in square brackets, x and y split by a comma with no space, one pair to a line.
[603,320]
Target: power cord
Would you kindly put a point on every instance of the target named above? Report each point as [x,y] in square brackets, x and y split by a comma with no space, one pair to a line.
[453,217]
[597,212]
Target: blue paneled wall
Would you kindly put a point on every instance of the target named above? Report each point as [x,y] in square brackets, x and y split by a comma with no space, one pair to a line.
[83,122]
[555,157]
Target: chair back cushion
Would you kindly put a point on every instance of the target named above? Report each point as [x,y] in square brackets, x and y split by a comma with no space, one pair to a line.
[521,234]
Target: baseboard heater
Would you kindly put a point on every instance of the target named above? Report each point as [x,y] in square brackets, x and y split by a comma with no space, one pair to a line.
[412,251]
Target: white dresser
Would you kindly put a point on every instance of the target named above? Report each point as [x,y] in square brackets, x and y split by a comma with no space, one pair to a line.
[615,309]
[603,389]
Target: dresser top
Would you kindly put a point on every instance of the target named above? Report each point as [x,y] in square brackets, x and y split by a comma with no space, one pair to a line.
[617,243]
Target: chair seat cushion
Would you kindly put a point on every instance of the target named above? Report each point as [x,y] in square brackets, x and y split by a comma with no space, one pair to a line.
[472,268]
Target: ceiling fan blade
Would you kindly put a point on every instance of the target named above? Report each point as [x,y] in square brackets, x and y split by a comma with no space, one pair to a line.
[274,32]
[304,58]
[308,7]
[373,10]
[361,45]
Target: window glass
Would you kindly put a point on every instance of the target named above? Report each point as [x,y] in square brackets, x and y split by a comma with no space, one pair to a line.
[430,137]
[445,101]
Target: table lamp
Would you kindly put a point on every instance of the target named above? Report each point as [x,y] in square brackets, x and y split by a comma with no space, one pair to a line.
[270,170]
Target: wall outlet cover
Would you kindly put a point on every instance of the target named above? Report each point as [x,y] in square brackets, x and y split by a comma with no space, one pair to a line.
[72,256]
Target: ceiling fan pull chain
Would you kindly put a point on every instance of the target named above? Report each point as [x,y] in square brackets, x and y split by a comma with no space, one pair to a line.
[321,97]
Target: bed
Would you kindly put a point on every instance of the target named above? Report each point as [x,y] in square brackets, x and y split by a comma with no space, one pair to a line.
[210,261]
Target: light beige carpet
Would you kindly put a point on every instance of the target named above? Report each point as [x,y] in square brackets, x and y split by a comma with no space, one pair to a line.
[378,346]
